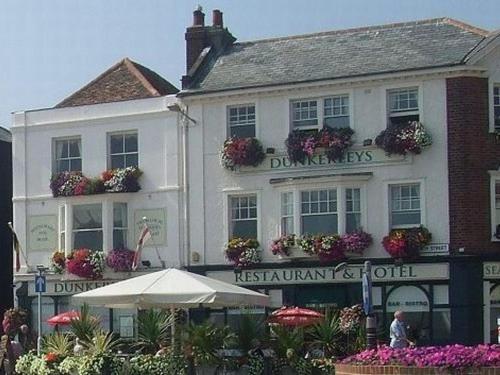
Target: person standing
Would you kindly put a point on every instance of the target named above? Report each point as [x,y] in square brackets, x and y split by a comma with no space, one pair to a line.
[398,335]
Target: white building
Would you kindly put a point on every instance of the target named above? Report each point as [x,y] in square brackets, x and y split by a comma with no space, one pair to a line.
[118,120]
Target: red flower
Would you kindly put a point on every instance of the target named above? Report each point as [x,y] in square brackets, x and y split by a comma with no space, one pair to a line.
[51,357]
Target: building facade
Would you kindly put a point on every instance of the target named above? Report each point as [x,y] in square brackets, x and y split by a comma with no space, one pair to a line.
[93,131]
[367,79]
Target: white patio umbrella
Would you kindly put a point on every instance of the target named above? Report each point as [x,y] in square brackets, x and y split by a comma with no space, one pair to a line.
[171,288]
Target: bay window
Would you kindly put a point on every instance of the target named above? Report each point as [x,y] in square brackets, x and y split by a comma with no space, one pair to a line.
[403,105]
[313,114]
[243,216]
[241,121]
[405,205]
[332,210]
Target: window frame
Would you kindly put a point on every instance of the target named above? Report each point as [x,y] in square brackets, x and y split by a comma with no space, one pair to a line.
[240,105]
[73,230]
[124,154]
[125,229]
[495,86]
[341,188]
[494,178]
[228,212]
[387,203]
[54,152]
[402,113]
[320,108]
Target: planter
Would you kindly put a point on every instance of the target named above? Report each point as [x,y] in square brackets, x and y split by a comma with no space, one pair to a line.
[295,253]
[345,369]
[351,254]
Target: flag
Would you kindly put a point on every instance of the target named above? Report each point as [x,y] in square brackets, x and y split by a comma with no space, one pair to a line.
[143,238]
[16,246]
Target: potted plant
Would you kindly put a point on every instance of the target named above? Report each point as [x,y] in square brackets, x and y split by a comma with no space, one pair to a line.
[58,262]
[86,263]
[356,243]
[122,180]
[406,243]
[286,247]
[242,252]
[238,152]
[401,139]
[120,260]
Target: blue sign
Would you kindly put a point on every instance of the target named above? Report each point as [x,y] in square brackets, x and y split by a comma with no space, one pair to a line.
[40,284]
[367,294]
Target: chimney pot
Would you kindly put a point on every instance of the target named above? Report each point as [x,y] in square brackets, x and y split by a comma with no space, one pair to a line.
[217,18]
[198,17]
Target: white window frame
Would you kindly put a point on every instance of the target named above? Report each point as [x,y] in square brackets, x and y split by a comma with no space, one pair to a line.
[125,229]
[66,208]
[384,90]
[341,203]
[494,178]
[122,133]
[228,117]
[320,105]
[387,201]
[101,229]
[402,113]
[493,86]
[54,151]
[228,194]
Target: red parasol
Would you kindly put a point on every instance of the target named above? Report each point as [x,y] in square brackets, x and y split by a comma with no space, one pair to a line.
[295,316]
[64,318]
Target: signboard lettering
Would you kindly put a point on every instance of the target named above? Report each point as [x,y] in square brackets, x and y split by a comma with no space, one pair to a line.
[71,287]
[406,272]
[491,270]
[42,232]
[156,221]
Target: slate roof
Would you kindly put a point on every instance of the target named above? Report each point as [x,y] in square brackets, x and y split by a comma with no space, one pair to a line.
[339,54]
[126,80]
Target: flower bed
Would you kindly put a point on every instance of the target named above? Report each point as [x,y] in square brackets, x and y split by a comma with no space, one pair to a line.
[66,184]
[301,145]
[242,252]
[398,139]
[406,243]
[241,152]
[120,260]
[86,263]
[481,359]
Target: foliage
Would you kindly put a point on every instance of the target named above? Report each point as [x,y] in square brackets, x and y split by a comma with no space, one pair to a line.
[203,341]
[153,330]
[325,335]
[406,243]
[282,245]
[100,364]
[301,145]
[86,326]
[287,342]
[325,365]
[58,343]
[450,356]
[58,262]
[120,260]
[86,263]
[356,242]
[157,365]
[13,319]
[121,180]
[241,152]
[250,331]
[242,252]
[401,139]
[70,183]
[70,365]
[350,318]
[102,342]
[328,248]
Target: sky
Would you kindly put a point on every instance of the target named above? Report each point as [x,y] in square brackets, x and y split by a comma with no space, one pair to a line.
[51,48]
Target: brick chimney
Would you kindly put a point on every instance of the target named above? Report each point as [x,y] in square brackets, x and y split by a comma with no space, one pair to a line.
[198,37]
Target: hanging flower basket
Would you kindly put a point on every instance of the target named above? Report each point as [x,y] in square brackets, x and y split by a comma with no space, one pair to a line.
[58,262]
[335,142]
[238,152]
[356,243]
[401,139]
[122,180]
[328,248]
[86,263]
[406,243]
[242,253]
[120,260]
[283,245]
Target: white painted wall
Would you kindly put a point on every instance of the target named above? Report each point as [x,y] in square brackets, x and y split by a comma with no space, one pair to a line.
[211,184]
[158,135]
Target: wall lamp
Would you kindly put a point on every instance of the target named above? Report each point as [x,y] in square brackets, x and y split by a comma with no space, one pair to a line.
[175,107]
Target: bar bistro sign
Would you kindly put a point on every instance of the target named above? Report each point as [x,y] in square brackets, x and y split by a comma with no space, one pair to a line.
[380,273]
[355,157]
